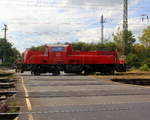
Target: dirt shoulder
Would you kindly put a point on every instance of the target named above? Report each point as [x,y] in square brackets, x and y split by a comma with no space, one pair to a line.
[134,74]
[135,77]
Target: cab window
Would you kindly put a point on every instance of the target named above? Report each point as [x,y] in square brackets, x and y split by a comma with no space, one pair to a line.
[46,52]
[58,49]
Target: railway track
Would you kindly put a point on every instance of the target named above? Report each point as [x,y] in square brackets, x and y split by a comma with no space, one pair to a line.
[69,97]
[7,95]
[143,82]
[69,94]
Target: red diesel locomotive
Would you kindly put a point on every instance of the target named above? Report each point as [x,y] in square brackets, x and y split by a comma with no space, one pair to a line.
[56,58]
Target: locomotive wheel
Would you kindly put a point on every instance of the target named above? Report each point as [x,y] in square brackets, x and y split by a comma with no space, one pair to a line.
[86,72]
[22,71]
[56,73]
[79,73]
[35,73]
[32,73]
[112,72]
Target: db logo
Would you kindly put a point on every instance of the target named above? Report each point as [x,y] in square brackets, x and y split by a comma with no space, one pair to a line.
[58,54]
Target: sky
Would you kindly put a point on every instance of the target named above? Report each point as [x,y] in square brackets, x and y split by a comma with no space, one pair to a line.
[38,22]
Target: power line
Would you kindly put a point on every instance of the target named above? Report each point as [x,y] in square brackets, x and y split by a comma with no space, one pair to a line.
[83,17]
[75,23]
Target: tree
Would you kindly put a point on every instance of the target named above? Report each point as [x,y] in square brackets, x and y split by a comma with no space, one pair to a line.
[140,50]
[145,38]
[8,54]
[118,40]
[36,48]
[109,46]
[5,50]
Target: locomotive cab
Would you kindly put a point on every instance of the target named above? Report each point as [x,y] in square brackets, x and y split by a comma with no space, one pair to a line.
[52,60]
[57,54]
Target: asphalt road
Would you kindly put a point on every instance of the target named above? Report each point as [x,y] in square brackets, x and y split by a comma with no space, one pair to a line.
[70,97]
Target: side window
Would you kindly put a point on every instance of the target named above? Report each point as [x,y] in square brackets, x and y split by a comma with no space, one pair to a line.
[46,52]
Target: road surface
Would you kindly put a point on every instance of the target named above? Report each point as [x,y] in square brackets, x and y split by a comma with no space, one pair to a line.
[71,97]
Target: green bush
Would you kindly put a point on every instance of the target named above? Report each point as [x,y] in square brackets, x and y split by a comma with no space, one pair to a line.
[133,68]
[145,67]
[147,61]
[134,60]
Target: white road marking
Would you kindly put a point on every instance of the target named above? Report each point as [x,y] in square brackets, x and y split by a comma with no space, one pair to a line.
[29,106]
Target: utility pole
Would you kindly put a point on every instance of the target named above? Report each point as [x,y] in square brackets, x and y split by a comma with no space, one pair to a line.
[5,40]
[125,27]
[5,32]
[102,29]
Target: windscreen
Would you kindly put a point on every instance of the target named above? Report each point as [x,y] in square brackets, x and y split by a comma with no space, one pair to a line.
[58,49]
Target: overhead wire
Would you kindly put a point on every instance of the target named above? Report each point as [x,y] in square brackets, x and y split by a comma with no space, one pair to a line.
[48,4]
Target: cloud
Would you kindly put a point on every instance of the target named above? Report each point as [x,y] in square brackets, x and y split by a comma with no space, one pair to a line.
[137,26]
[35,22]
[99,3]
[94,35]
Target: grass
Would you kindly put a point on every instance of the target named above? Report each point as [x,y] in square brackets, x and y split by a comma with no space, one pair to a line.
[134,74]
[6,70]
[12,106]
